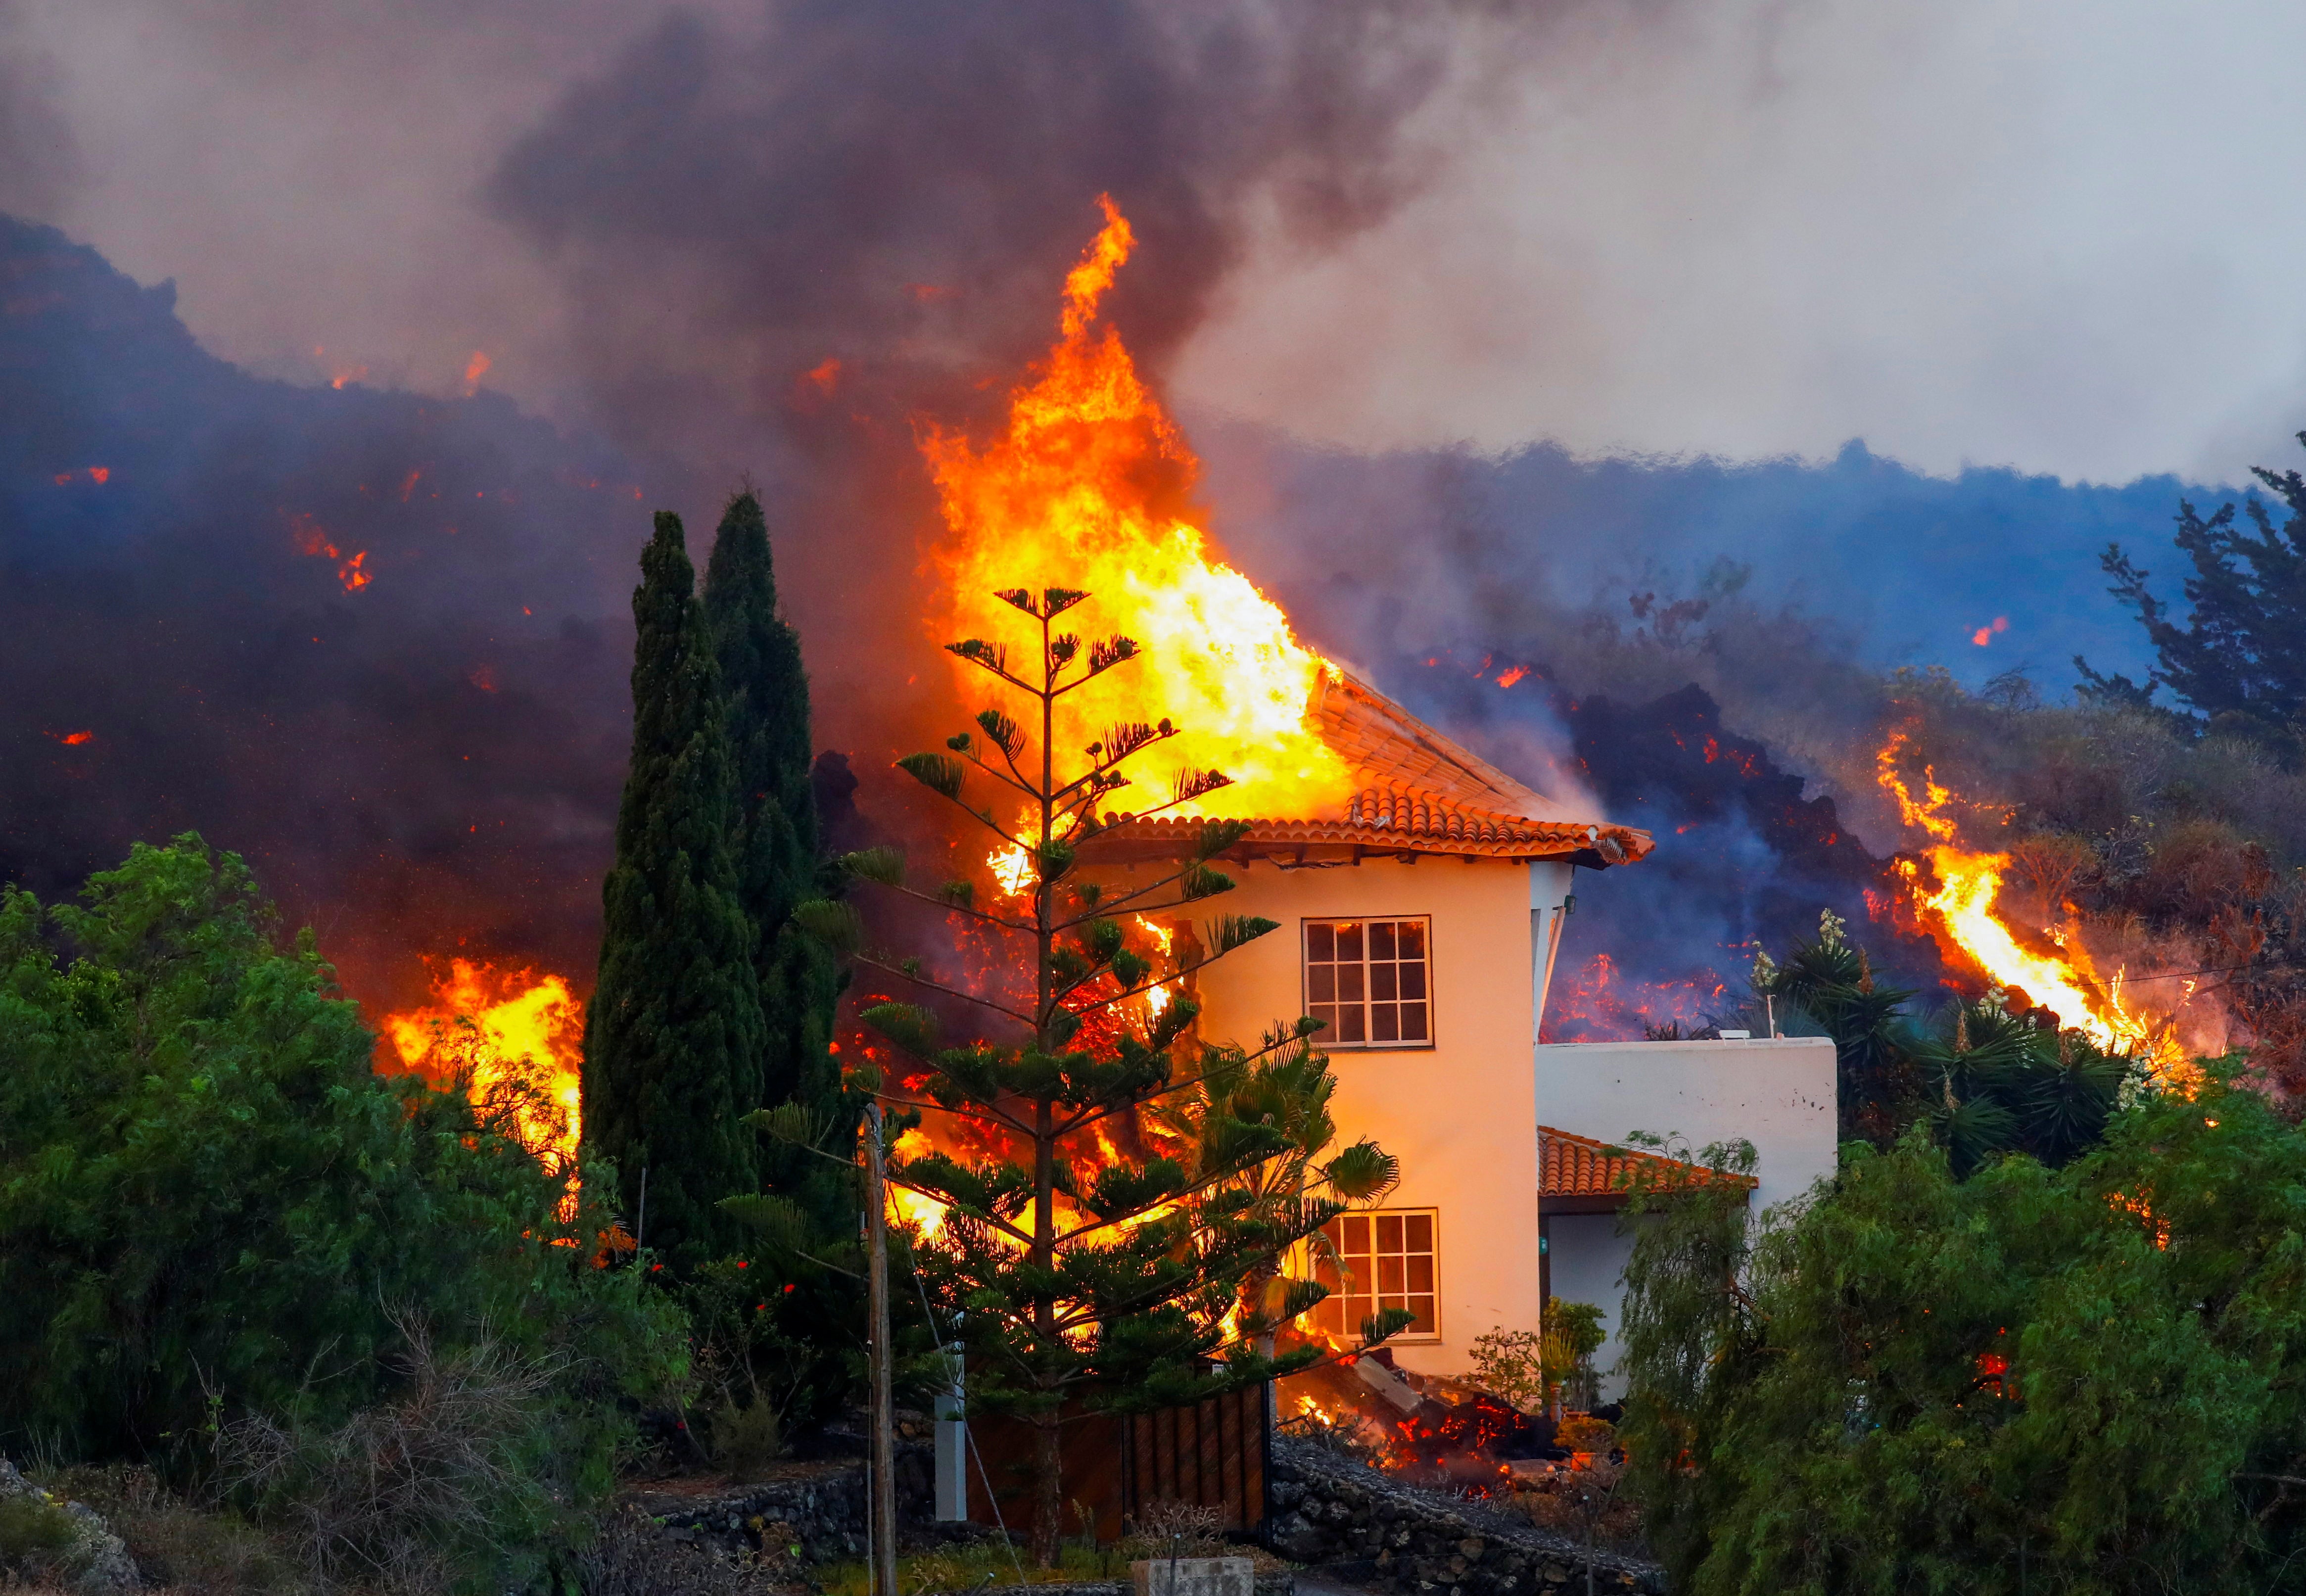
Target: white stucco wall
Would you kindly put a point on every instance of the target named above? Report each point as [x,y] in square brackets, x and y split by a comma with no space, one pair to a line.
[1459,1114]
[1776,1093]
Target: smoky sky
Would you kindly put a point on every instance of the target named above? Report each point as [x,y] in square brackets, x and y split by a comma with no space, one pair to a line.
[2056,237]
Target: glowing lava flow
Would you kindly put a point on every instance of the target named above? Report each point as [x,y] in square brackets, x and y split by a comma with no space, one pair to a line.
[1089,488]
[1962,904]
[504,1025]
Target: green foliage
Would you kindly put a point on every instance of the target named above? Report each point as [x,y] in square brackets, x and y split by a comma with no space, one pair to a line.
[1573,1334]
[1535,1370]
[2085,1379]
[2241,658]
[211,1205]
[2005,1084]
[36,1535]
[1511,1364]
[673,1036]
[780,1332]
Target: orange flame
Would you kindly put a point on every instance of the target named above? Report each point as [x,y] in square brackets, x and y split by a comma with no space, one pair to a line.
[475,368]
[1089,487]
[505,1023]
[1962,904]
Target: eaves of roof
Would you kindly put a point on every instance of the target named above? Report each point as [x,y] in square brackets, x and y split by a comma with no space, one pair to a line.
[1420,793]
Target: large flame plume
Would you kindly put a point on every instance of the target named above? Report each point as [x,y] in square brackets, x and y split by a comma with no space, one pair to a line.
[1962,906]
[1088,486]
[505,1025]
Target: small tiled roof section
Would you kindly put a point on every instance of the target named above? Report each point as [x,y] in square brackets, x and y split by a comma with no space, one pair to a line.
[1422,793]
[1571,1165]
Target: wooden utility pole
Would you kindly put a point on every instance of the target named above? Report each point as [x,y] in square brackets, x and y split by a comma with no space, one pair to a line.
[883,1504]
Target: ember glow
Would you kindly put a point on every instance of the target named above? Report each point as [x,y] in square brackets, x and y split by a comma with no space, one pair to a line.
[503,1024]
[312,540]
[1089,487]
[1961,908]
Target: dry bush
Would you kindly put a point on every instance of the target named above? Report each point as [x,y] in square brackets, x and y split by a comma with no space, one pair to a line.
[406,1495]
[1177,1529]
[2054,867]
[1586,1505]
[181,1545]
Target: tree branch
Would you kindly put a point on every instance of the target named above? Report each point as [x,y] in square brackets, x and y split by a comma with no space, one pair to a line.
[935,986]
[962,908]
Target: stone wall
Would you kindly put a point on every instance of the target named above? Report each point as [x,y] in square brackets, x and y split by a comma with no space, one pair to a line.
[1335,1512]
[819,1507]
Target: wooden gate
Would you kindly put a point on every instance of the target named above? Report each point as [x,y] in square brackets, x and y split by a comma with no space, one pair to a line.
[1211,1453]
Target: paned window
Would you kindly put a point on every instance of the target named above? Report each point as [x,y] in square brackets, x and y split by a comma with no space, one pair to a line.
[1368,980]
[1378,1261]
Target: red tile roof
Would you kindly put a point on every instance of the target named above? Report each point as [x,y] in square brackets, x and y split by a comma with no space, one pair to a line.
[1571,1165]
[1422,793]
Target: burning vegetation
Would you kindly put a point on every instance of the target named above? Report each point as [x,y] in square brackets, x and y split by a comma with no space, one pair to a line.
[501,1030]
[1959,900]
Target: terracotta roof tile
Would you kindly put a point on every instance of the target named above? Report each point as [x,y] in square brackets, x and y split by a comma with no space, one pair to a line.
[1423,794]
[1571,1165]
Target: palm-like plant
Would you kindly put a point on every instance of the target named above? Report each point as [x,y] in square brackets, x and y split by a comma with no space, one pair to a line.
[1832,981]
[2006,1084]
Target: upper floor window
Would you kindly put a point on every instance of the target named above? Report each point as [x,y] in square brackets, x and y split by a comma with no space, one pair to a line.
[1368,980]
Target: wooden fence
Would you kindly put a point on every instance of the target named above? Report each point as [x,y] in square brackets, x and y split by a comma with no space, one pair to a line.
[1211,1453]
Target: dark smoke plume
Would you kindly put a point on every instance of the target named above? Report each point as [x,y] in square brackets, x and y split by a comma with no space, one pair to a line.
[788,243]
[378,641]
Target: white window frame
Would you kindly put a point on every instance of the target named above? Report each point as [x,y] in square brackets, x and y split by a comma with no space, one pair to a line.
[1376,1297]
[1329,1037]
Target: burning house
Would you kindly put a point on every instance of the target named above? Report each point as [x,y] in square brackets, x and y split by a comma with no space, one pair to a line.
[1421,921]
[1421,893]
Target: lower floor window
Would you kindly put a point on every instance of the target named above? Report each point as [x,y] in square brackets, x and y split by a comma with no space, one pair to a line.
[1374,1261]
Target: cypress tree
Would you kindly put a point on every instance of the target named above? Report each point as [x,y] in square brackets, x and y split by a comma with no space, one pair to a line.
[775,832]
[673,1035]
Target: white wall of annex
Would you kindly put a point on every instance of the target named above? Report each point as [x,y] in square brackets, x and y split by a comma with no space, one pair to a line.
[1777,1093]
[1460,1114]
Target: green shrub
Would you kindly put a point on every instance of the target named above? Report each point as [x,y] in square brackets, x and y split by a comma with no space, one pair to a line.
[36,1535]
[746,1439]
[214,1210]
[1511,1364]
[2088,1379]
